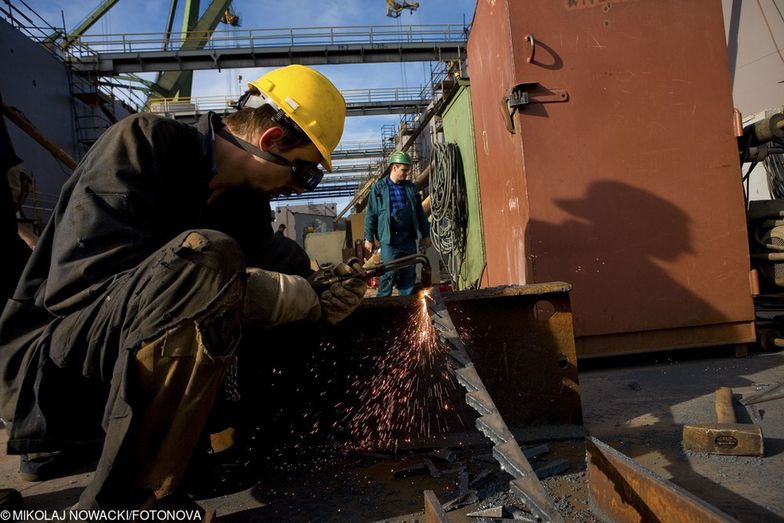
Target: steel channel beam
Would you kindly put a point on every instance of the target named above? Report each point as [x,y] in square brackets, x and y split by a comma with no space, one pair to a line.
[314,196]
[352,109]
[624,491]
[506,451]
[193,60]
[434,512]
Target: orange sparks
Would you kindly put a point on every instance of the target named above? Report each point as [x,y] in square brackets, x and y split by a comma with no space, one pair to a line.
[409,391]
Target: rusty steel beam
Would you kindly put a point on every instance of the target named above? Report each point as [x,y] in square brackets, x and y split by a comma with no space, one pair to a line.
[506,450]
[624,491]
[522,330]
[434,512]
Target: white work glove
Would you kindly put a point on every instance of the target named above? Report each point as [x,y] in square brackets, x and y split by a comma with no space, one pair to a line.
[273,298]
[340,300]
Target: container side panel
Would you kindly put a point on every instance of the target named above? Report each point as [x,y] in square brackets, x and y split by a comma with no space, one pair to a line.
[498,153]
[633,183]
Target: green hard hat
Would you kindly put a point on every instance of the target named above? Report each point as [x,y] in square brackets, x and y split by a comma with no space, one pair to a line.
[399,157]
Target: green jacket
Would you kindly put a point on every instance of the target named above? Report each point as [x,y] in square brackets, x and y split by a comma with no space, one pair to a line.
[377,214]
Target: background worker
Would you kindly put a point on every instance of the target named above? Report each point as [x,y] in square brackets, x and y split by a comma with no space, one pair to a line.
[281,232]
[130,310]
[394,216]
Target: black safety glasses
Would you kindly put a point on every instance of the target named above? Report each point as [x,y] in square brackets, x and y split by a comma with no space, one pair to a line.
[306,175]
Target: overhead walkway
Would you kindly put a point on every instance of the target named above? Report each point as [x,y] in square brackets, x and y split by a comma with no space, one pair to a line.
[324,191]
[358,150]
[340,183]
[241,48]
[345,168]
[359,102]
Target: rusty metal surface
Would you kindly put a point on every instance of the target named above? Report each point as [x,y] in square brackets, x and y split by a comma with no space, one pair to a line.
[628,190]
[665,339]
[513,331]
[434,513]
[523,331]
[624,491]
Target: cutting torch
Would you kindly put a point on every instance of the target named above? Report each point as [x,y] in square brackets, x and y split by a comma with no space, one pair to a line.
[325,277]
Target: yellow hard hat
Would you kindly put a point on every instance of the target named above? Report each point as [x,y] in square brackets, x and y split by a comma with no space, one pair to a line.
[311,101]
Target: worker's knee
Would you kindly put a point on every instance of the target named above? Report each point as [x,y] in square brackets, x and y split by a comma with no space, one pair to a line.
[198,274]
[212,249]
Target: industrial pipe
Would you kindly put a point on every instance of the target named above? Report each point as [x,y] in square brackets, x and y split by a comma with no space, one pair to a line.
[767,129]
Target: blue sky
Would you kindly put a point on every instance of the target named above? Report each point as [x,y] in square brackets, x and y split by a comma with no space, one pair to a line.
[141,16]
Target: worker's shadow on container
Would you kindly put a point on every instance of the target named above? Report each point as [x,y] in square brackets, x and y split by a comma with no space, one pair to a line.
[626,251]
[619,249]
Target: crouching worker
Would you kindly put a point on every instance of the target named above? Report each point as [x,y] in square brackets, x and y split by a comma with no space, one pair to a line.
[130,309]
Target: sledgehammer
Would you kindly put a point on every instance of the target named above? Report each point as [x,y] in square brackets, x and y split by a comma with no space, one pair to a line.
[726,437]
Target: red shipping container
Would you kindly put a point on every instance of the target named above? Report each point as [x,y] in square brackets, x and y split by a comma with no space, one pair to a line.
[620,175]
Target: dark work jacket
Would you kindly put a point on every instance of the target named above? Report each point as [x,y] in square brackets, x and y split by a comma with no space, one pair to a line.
[378,214]
[141,184]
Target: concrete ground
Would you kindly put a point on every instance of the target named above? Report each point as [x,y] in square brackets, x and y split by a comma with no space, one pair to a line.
[641,409]
[636,405]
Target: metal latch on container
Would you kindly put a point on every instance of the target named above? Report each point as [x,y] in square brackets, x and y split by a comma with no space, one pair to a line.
[527,93]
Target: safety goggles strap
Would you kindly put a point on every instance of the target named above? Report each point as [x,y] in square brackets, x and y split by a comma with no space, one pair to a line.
[250,148]
[253,99]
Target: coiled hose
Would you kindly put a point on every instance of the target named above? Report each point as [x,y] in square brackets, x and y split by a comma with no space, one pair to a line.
[448,219]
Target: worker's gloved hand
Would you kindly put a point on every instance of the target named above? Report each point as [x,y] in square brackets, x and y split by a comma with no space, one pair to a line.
[273,298]
[373,261]
[369,246]
[425,243]
[342,298]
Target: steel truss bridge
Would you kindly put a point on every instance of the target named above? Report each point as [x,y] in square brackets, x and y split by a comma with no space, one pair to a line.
[359,102]
[107,55]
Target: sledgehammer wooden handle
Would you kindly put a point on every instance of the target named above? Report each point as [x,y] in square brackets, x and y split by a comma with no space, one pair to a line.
[725,412]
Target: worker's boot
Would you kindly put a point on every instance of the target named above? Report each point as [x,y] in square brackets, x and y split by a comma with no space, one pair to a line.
[44,465]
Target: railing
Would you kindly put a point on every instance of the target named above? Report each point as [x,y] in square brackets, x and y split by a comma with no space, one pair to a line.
[26,20]
[358,144]
[263,38]
[380,95]
[345,168]
[201,104]
[194,104]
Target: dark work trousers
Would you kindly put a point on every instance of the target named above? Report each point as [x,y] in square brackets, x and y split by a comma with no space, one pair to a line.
[403,243]
[172,325]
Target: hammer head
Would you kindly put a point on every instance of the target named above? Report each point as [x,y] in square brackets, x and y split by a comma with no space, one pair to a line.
[730,439]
